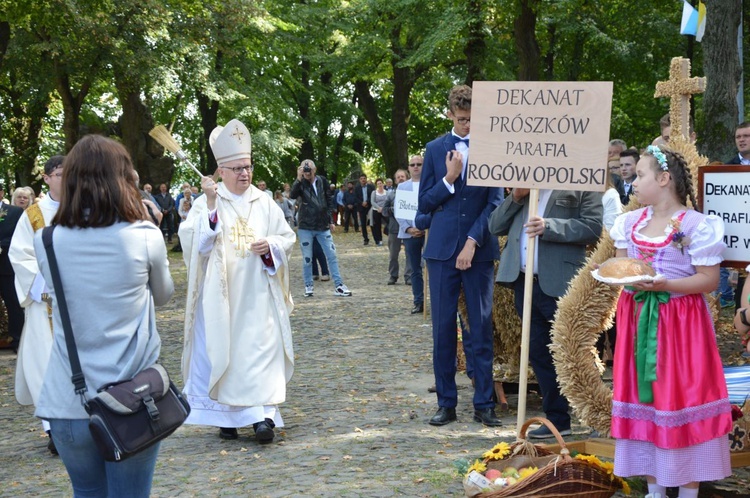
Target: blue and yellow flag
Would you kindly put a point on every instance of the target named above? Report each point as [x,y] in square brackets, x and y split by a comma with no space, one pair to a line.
[693,20]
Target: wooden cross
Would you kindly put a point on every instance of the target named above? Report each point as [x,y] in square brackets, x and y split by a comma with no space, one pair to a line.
[237,133]
[679,88]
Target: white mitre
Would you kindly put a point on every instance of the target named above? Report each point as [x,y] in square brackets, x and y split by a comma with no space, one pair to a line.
[230,142]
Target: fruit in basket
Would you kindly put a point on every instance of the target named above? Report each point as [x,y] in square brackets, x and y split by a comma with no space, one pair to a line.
[493,474]
[510,472]
[511,480]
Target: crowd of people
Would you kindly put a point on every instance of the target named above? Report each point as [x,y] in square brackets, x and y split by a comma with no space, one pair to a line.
[236,237]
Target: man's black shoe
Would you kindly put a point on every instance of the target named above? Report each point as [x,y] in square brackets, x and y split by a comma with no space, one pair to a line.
[418,308]
[487,417]
[227,433]
[264,431]
[367,242]
[392,281]
[443,416]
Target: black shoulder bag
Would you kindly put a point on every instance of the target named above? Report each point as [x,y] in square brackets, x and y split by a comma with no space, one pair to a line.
[125,417]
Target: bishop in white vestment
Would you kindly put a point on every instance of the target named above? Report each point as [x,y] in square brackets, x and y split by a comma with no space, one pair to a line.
[238,354]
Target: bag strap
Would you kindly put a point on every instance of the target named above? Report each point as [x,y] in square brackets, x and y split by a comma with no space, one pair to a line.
[75,364]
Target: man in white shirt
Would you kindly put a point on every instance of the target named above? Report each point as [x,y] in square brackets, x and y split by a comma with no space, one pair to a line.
[414,237]
[628,159]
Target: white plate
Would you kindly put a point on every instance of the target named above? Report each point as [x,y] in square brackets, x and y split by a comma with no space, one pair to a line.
[626,280]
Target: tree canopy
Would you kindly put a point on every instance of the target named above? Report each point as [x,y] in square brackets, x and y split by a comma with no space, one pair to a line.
[353,85]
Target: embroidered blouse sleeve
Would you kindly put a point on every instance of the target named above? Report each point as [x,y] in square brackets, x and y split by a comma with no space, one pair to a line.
[707,242]
[617,232]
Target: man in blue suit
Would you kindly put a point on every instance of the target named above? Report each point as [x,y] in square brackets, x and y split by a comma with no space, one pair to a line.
[459,252]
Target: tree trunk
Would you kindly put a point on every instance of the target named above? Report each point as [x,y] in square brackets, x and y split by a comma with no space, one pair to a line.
[209,112]
[370,111]
[71,110]
[527,47]
[549,58]
[721,65]
[135,122]
[307,151]
[28,121]
[398,155]
[476,45]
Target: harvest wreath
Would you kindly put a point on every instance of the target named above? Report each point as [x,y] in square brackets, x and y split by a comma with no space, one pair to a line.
[525,469]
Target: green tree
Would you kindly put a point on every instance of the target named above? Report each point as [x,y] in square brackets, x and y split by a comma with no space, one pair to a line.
[722,67]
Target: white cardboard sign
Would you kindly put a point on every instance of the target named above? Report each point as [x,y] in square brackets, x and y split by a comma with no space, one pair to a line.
[405,204]
[725,192]
[540,134]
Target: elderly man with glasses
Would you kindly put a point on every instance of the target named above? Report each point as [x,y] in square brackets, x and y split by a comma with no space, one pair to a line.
[238,354]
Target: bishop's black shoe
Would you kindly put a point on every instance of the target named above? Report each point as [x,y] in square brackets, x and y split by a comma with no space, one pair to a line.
[443,416]
[264,431]
[418,308]
[227,433]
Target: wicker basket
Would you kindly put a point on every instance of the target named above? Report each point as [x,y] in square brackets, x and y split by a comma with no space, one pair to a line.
[558,475]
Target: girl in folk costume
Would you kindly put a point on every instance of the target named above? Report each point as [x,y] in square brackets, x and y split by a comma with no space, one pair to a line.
[671,413]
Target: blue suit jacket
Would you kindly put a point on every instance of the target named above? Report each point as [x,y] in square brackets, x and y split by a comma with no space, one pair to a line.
[457,216]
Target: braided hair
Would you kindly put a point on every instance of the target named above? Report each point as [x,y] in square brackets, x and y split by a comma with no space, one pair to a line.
[680,172]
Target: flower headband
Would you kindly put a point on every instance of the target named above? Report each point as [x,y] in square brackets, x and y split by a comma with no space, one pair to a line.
[659,156]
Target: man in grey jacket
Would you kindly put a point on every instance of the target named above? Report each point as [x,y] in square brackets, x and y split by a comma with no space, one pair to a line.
[394,243]
[568,221]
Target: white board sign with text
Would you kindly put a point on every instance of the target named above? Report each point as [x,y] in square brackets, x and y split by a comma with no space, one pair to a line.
[540,134]
[725,192]
[405,204]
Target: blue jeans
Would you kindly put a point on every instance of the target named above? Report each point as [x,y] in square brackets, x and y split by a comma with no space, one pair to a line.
[93,477]
[413,251]
[725,290]
[329,249]
[319,258]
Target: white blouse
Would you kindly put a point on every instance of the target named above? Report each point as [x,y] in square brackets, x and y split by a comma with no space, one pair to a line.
[706,243]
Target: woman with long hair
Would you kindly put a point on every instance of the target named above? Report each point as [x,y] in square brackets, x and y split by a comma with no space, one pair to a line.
[114,269]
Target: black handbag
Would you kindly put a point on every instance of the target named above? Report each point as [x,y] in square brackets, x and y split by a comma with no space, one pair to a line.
[125,417]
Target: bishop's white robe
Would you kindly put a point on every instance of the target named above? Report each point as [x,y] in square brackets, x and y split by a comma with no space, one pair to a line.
[36,338]
[237,353]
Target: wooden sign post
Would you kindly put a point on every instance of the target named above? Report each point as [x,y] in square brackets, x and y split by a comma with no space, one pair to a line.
[538,135]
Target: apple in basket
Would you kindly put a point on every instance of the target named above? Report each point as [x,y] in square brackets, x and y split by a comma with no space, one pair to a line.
[493,474]
[510,472]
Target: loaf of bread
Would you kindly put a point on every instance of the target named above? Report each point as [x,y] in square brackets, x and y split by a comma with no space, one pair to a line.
[625,267]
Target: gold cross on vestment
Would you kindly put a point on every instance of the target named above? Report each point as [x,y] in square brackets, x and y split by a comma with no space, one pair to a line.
[238,133]
[679,88]
[242,236]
